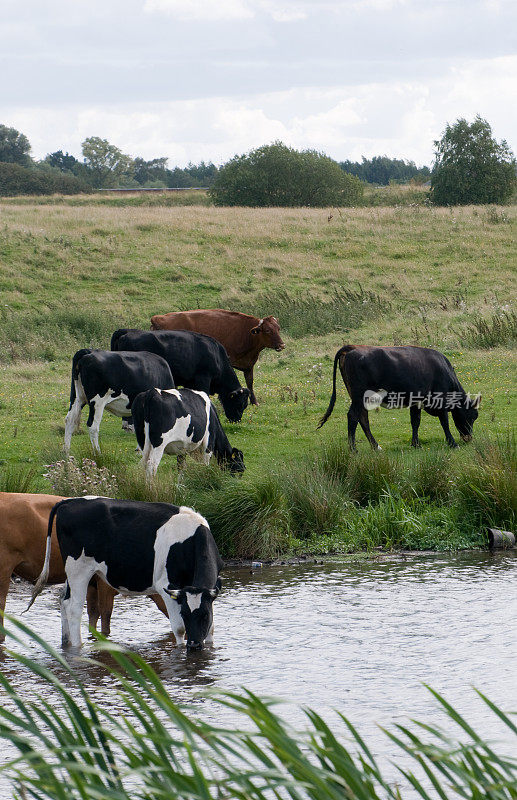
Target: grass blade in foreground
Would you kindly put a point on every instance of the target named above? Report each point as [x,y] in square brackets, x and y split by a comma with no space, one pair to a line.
[70,747]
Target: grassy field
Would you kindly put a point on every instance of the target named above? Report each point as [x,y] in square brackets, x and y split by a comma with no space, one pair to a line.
[73,270]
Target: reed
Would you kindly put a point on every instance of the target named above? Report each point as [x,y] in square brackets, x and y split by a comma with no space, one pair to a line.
[152,749]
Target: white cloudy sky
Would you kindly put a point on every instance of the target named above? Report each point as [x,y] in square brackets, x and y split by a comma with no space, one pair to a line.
[205,79]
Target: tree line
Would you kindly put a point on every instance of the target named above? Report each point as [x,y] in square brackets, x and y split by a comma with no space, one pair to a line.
[470,167]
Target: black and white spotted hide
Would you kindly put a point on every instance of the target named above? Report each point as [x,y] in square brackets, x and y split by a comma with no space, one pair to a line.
[109,380]
[138,549]
[179,422]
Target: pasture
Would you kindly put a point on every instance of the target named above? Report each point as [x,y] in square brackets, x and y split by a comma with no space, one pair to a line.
[71,273]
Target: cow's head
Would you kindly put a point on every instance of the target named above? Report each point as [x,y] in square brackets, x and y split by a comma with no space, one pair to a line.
[269,331]
[236,461]
[465,416]
[196,611]
[235,403]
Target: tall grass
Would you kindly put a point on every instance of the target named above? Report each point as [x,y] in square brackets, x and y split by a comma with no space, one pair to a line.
[18,478]
[308,314]
[499,330]
[72,747]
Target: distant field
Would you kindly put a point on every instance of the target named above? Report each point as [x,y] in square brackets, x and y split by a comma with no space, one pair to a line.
[73,271]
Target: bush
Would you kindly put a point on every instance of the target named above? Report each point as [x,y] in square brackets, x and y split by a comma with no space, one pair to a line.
[471,167]
[277,175]
[16,180]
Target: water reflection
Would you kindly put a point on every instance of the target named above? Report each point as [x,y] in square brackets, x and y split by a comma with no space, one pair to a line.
[353,635]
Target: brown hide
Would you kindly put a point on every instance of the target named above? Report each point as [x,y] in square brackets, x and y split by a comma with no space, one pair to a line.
[23,539]
[233,329]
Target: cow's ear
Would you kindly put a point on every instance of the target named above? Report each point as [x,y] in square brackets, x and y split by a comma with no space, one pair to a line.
[174,593]
[477,402]
[255,330]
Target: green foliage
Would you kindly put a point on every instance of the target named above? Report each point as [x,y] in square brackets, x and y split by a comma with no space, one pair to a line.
[499,330]
[17,478]
[277,175]
[382,170]
[75,748]
[14,147]
[105,161]
[471,166]
[62,161]
[18,180]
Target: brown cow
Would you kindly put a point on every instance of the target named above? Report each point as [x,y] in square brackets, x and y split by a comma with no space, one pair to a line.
[23,536]
[242,335]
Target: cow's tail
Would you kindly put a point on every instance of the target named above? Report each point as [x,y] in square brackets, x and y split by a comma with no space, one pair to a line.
[329,410]
[43,578]
[75,370]
[116,336]
[140,412]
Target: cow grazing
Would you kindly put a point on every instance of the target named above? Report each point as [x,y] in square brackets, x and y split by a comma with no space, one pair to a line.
[103,379]
[137,549]
[243,336]
[179,422]
[196,361]
[414,377]
[23,531]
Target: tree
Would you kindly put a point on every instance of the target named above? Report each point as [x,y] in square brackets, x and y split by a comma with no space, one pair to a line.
[382,170]
[14,146]
[105,162]
[471,167]
[62,161]
[277,175]
[145,172]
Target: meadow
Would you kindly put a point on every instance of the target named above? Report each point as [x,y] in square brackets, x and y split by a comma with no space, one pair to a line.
[72,270]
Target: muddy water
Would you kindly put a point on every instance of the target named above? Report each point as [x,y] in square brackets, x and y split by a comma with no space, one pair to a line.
[360,637]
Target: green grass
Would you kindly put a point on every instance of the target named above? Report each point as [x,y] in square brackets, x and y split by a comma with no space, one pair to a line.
[73,747]
[73,270]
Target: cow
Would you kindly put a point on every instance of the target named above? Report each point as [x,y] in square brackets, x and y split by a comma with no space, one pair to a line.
[414,377]
[103,379]
[23,530]
[138,549]
[178,422]
[243,336]
[196,361]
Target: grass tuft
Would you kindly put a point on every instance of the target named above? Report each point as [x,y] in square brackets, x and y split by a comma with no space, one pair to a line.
[499,330]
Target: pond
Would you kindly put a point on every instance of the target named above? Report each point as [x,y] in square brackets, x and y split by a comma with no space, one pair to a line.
[359,636]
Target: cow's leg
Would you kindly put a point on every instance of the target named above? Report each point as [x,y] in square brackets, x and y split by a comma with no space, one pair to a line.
[94,421]
[365,425]
[106,597]
[128,424]
[92,604]
[353,418]
[175,618]
[248,377]
[72,604]
[210,636]
[443,416]
[415,414]
[5,580]
[72,422]
[154,459]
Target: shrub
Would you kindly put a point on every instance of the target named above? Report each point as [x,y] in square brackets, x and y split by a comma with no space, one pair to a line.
[16,180]
[71,478]
[277,175]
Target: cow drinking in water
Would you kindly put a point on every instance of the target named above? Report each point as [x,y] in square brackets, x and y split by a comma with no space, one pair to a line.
[137,549]
[178,422]
[414,377]
[243,336]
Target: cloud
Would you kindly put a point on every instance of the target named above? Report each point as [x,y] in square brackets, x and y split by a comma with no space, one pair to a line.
[203,10]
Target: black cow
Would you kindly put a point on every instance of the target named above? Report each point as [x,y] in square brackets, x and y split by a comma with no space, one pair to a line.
[394,377]
[179,422]
[196,361]
[103,379]
[138,549]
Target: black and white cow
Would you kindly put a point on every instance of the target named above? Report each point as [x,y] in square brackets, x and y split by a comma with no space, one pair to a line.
[196,361]
[103,379]
[181,421]
[138,549]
